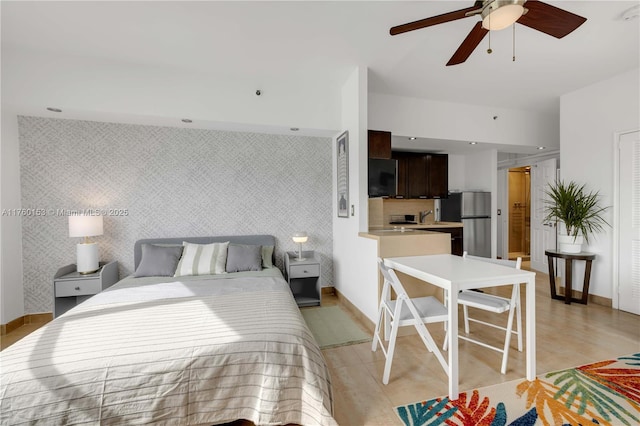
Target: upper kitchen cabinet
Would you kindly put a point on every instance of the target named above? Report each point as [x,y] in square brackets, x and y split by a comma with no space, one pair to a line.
[438,175]
[379,144]
[422,175]
[417,177]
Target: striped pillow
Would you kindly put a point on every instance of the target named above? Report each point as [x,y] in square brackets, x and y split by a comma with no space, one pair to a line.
[202,259]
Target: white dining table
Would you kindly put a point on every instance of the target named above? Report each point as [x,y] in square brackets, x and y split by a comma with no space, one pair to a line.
[454,273]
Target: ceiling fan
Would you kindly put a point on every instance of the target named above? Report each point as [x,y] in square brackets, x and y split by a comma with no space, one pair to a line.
[499,14]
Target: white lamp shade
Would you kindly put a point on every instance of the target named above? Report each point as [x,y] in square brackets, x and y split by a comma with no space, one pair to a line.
[85,226]
[501,14]
[300,237]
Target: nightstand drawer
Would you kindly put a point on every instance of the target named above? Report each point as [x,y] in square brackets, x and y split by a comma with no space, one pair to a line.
[302,271]
[77,287]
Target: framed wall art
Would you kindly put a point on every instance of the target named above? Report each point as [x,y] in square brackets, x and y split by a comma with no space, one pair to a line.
[342,146]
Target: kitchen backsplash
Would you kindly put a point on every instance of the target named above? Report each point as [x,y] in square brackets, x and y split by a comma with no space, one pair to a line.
[381,210]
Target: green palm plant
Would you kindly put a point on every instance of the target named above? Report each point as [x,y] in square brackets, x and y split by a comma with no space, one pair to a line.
[579,210]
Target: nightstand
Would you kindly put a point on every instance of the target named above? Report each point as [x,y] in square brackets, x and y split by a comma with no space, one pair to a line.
[71,287]
[303,277]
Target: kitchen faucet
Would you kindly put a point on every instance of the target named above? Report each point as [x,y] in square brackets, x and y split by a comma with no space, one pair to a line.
[425,214]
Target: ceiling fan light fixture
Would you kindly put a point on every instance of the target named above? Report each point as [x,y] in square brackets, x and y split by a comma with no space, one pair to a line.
[500,14]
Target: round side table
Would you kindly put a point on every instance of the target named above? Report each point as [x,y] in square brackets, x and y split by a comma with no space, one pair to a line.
[569,258]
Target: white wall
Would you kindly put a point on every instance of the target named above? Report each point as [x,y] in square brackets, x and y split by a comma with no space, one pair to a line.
[355,269]
[446,120]
[588,119]
[11,288]
[481,171]
[160,170]
[91,85]
[99,90]
[457,172]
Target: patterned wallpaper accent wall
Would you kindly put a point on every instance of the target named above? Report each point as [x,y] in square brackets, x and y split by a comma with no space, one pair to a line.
[172,182]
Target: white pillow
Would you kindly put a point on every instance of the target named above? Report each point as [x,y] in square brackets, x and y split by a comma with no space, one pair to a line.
[202,259]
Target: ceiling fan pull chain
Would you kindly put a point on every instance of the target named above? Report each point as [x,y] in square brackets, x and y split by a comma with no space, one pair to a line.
[489,51]
[514,42]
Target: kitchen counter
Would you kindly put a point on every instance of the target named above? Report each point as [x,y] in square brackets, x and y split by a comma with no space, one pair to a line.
[415,227]
[437,225]
[410,242]
[376,234]
[453,229]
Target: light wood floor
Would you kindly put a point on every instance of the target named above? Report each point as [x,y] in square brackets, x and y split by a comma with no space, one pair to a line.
[567,336]
[17,334]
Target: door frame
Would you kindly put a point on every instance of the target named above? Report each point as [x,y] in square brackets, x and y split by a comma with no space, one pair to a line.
[503,217]
[615,282]
[527,160]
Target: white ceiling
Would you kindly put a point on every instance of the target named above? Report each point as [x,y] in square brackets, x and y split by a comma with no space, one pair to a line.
[326,40]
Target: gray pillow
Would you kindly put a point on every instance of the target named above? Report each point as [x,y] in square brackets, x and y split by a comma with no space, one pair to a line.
[158,261]
[242,257]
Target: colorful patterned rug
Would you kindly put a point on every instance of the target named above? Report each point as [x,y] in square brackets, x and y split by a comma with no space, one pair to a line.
[602,393]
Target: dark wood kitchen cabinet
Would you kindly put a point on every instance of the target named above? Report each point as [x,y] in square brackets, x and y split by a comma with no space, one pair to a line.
[422,175]
[438,171]
[456,238]
[379,144]
[402,173]
[418,177]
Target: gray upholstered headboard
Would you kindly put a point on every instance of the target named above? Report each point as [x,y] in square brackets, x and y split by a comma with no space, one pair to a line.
[263,240]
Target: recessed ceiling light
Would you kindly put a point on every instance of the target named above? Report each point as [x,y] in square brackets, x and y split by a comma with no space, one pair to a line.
[473,143]
[187,120]
[541,147]
[294,129]
[412,138]
[54,109]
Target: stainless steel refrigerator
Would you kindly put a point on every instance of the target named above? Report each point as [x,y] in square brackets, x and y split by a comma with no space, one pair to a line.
[473,209]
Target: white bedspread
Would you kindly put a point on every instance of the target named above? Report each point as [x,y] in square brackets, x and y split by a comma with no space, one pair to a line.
[188,352]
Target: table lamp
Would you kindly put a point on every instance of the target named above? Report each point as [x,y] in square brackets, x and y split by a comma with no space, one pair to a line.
[300,237]
[86,252]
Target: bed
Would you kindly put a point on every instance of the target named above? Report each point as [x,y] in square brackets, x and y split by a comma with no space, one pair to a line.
[189,350]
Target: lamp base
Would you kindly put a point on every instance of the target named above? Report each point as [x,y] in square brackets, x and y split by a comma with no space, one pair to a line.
[87,258]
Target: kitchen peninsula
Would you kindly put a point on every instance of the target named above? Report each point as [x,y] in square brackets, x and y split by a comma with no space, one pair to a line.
[414,214]
[409,242]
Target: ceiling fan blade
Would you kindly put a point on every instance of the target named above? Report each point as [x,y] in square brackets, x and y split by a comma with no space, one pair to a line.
[434,20]
[469,44]
[550,19]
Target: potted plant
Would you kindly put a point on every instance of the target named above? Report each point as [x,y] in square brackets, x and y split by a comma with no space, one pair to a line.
[578,210]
